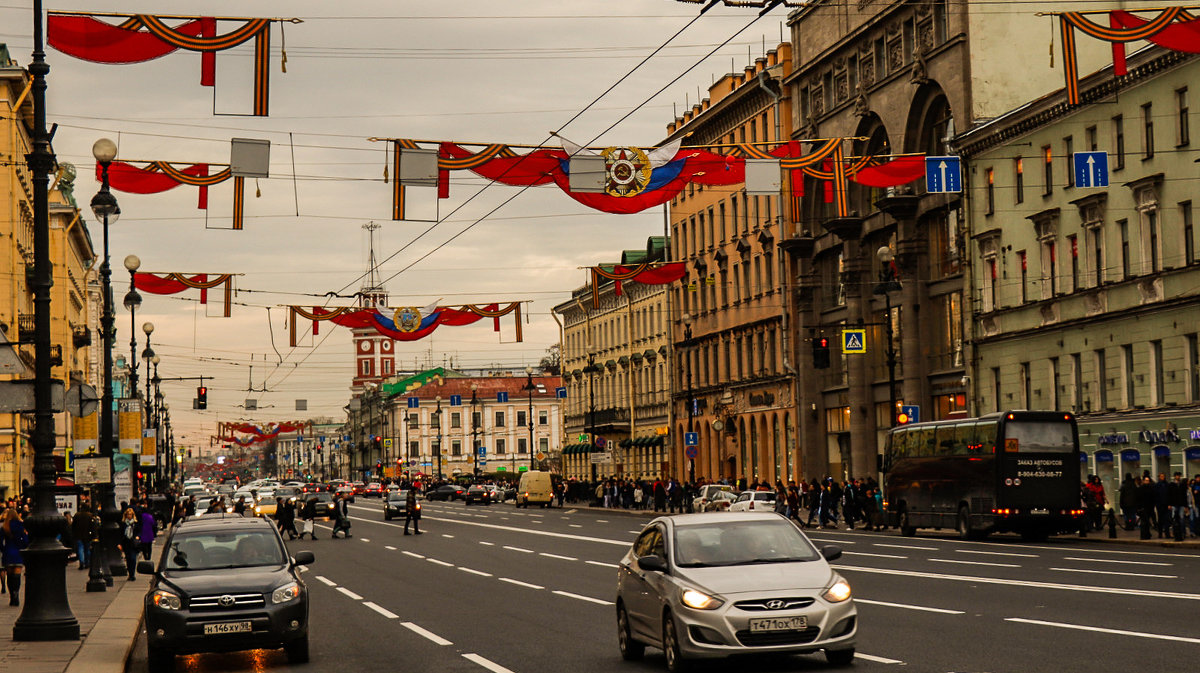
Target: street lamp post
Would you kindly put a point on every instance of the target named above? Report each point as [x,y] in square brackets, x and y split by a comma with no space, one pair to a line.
[529,388]
[149,356]
[47,613]
[474,427]
[691,399]
[156,417]
[591,370]
[133,299]
[888,283]
[437,414]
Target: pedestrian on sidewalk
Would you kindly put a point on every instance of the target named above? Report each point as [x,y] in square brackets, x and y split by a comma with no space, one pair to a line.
[147,532]
[130,532]
[1128,500]
[83,529]
[13,539]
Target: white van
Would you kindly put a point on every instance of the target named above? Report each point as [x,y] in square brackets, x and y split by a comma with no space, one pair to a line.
[535,488]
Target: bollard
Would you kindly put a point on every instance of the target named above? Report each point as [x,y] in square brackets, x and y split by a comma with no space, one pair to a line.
[1112,524]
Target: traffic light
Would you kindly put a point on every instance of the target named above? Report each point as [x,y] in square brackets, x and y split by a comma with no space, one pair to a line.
[202,397]
[820,346]
[903,419]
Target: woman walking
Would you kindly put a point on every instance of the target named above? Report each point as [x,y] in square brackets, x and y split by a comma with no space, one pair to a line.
[131,529]
[13,539]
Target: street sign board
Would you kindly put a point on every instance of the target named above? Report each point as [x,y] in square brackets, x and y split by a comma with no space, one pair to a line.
[502,396]
[692,452]
[561,392]
[540,456]
[456,400]
[854,341]
[483,463]
[600,441]
[691,438]
[943,174]
[482,451]
[413,403]
[910,413]
[1091,169]
[387,442]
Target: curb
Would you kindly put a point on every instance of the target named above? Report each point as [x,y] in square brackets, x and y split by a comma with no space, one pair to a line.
[107,646]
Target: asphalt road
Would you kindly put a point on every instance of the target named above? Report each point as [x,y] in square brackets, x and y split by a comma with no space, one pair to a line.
[530,591]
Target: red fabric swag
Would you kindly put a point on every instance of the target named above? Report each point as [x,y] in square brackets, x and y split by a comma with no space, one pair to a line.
[898,171]
[91,40]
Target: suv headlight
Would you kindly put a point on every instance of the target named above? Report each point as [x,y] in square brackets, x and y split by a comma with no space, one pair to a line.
[166,600]
[699,600]
[285,593]
[839,591]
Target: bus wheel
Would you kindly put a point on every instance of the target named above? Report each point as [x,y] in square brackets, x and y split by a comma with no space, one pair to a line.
[964,523]
[906,529]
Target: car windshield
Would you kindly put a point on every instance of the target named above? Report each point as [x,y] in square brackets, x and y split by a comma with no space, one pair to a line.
[287,492]
[208,550]
[397,495]
[324,496]
[728,543]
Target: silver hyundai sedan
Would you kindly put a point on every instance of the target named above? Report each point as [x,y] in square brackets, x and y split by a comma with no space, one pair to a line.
[711,585]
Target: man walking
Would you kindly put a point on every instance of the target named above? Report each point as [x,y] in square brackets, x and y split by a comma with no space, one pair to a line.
[412,512]
[341,512]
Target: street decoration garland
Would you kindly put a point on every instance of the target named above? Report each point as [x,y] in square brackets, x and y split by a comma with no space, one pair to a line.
[649,273]
[228,432]
[407,323]
[637,179]
[145,37]
[174,283]
[1174,28]
[155,177]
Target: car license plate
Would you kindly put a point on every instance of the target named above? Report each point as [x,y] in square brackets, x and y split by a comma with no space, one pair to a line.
[226,627]
[778,624]
[1039,511]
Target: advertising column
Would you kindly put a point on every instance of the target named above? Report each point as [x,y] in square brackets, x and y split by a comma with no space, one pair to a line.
[129,444]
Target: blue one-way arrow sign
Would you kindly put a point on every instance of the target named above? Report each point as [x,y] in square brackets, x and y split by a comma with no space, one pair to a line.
[1091,169]
[943,174]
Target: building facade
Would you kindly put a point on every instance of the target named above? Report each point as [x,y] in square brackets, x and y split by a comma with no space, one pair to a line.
[1082,297]
[615,369]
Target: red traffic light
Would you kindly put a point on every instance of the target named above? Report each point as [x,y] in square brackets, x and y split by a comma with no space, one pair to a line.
[823,342]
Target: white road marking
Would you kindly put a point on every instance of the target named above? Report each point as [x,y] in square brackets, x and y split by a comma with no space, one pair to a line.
[302,569]
[521,584]
[862,553]
[635,532]
[444,535]
[441,563]
[564,558]
[487,544]
[909,607]
[994,553]
[365,539]
[817,539]
[328,582]
[350,593]
[520,549]
[570,511]
[574,525]
[878,660]
[1119,591]
[540,521]
[601,520]
[389,547]
[475,572]
[976,563]
[386,613]
[565,536]
[1097,629]
[437,640]
[412,554]
[1107,560]
[602,564]
[537,515]
[589,599]
[1115,572]
[487,663]
[906,546]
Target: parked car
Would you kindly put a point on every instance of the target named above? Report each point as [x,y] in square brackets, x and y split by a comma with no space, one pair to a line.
[754,501]
[707,492]
[719,501]
[395,504]
[477,494]
[497,492]
[225,584]
[447,492]
[712,585]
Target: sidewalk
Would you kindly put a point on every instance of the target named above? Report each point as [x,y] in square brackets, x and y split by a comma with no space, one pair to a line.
[108,626]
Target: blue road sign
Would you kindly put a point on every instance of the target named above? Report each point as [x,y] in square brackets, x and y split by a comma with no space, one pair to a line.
[483,463]
[1091,169]
[321,439]
[854,341]
[561,392]
[943,174]
[482,451]
[456,400]
[913,412]
[502,396]
[691,438]
[414,402]
[695,407]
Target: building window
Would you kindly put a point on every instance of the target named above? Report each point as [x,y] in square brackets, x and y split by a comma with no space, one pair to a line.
[455,419]
[521,445]
[1118,131]
[1123,227]
[1101,394]
[1157,385]
[1095,237]
[1053,406]
[476,419]
[996,388]
[1189,235]
[1026,387]
[413,421]
[1089,137]
[456,447]
[990,287]
[1024,276]
[991,192]
[500,446]
[1147,131]
[1127,376]
[499,419]
[543,444]
[1193,356]
[1073,242]
[1076,382]
[1069,150]
[1151,258]
[414,449]
[521,419]
[1183,134]
[543,417]
[1047,171]
[1049,269]
[1019,178]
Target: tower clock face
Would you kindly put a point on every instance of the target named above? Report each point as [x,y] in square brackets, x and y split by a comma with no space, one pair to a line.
[385,346]
[364,346]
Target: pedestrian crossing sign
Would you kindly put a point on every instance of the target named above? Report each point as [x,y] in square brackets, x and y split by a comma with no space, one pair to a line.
[854,341]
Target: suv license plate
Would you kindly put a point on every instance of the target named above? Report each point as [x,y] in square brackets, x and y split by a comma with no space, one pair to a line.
[226,627]
[1039,511]
[778,624]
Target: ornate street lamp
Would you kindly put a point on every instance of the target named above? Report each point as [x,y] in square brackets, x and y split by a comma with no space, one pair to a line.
[691,399]
[888,283]
[529,388]
[437,416]
[591,370]
[474,427]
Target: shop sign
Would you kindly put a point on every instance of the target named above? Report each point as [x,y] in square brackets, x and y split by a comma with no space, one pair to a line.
[1117,438]
[1151,437]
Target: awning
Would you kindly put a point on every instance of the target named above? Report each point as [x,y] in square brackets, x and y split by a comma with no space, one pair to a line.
[623,360]
[625,443]
[659,440]
[1161,451]
[636,357]
[576,373]
[1130,455]
[1192,453]
[650,353]
[611,364]
[1104,456]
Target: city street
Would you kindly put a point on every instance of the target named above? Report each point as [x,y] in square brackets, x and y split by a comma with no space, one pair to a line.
[500,589]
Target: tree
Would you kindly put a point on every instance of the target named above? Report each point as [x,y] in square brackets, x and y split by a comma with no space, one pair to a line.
[551,364]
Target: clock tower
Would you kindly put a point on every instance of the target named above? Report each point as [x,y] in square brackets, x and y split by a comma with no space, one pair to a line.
[374,354]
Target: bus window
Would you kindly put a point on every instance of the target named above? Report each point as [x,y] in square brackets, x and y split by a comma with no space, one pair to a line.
[921,444]
[985,436]
[944,441]
[900,439]
[964,434]
[1039,436]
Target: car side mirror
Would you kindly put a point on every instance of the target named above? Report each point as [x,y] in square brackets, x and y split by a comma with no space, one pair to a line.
[304,558]
[831,552]
[652,563]
[145,567]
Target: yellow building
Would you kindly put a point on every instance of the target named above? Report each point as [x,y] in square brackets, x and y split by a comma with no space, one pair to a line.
[72,257]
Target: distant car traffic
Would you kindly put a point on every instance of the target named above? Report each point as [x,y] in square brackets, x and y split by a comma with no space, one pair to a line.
[324,504]
[707,493]
[359,487]
[395,504]
[447,492]
[754,501]
[373,490]
[713,585]
[477,494]
[718,501]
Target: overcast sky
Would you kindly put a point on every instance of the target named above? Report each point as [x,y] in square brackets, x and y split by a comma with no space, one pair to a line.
[470,70]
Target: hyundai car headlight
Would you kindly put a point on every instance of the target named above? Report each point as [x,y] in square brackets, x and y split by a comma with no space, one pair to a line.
[838,592]
[285,593]
[166,600]
[700,600]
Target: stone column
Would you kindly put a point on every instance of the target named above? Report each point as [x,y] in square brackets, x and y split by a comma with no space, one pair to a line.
[812,456]
[911,263]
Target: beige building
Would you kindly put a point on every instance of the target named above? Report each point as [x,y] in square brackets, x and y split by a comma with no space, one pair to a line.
[731,324]
[615,368]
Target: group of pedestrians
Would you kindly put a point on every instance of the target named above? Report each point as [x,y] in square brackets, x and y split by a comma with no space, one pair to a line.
[1168,507]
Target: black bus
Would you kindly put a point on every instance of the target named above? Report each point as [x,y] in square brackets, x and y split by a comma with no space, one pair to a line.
[1014,471]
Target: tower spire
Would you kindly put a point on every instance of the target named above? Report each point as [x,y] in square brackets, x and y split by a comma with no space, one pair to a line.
[373,293]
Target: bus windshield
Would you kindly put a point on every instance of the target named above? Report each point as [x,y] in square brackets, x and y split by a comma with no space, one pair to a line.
[1038,437]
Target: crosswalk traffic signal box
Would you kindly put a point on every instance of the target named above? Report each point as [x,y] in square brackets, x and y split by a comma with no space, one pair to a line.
[820,346]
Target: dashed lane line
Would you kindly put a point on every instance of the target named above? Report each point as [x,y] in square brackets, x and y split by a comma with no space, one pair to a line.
[547,533]
[995,553]
[412,554]
[365,539]
[574,525]
[878,660]
[350,593]
[1115,572]
[602,564]
[383,611]
[905,546]
[976,563]
[520,549]
[521,584]
[429,635]
[440,562]
[863,553]
[588,599]
[328,582]
[486,663]
[905,606]
[389,547]
[557,556]
[445,535]
[1108,560]
[487,544]
[1097,629]
[475,572]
